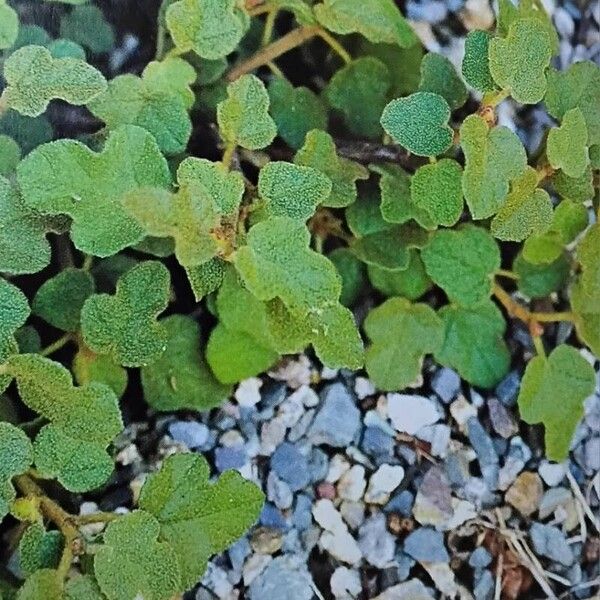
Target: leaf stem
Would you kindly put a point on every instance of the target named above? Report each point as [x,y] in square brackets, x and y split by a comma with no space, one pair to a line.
[492,99]
[99,517]
[228,155]
[88,261]
[507,274]
[334,45]
[269,25]
[57,345]
[538,344]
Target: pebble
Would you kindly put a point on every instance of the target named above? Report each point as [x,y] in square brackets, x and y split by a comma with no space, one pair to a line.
[291,466]
[247,392]
[363,388]
[525,493]
[271,516]
[376,543]
[326,490]
[351,485]
[409,590]
[318,465]
[592,454]
[501,419]
[341,545]
[229,458]
[266,540]
[191,433]
[433,503]
[462,410]
[553,499]
[439,438]
[480,558]
[377,443]
[338,420]
[295,372]
[384,481]
[508,389]
[552,473]
[442,576]
[401,503]
[410,413]
[215,579]
[484,448]
[271,435]
[426,545]
[345,583]
[551,542]
[302,515]
[446,384]
[279,492]
[286,572]
[353,513]
[484,585]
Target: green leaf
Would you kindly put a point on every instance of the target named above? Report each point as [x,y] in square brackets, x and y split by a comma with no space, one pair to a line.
[401,334]
[153,101]
[39,549]
[88,366]
[211,28]
[439,76]
[473,343]
[83,587]
[87,26]
[552,392]
[539,281]
[578,189]
[179,378]
[411,283]
[301,10]
[203,210]
[172,75]
[243,117]
[567,145]
[419,122]
[360,91]
[463,262]
[319,152]
[476,63]
[10,155]
[527,210]
[66,177]
[364,216]
[83,421]
[196,517]
[28,132]
[9,25]
[44,584]
[59,300]
[124,325]
[16,456]
[291,190]
[377,20]
[66,49]
[493,158]
[437,190]
[133,563]
[34,78]
[296,111]
[519,61]
[352,272]
[206,278]
[577,87]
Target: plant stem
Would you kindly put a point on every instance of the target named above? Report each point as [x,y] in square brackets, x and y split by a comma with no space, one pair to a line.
[269,25]
[88,261]
[492,99]
[553,317]
[99,517]
[538,344]
[57,345]
[334,45]
[228,155]
[507,274]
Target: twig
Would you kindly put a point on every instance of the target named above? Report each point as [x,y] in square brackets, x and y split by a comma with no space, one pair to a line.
[499,570]
[584,504]
[57,345]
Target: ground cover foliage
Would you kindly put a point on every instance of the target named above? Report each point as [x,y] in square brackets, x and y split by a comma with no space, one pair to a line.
[231,201]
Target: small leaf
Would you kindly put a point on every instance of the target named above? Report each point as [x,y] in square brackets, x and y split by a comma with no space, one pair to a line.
[197,518]
[364,216]
[519,61]
[411,283]
[87,26]
[9,25]
[567,145]
[28,132]
[16,456]
[539,281]
[380,21]
[473,343]
[211,28]
[66,49]
[243,117]
[10,155]
[133,563]
[83,587]
[352,272]
[44,584]
[476,63]
[493,158]
[88,366]
[319,152]
[419,122]
[301,10]
[552,391]
[172,74]
[124,325]
[439,76]
[206,278]
[463,263]
[578,189]
[34,78]
[179,378]
[39,549]
[401,334]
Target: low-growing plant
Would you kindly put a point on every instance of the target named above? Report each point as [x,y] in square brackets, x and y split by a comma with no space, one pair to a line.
[227,210]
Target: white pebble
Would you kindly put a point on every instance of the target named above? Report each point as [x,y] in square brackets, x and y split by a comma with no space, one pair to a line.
[410,413]
[248,392]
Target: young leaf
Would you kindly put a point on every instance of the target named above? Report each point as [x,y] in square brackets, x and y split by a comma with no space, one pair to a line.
[439,76]
[9,25]
[291,190]
[301,10]
[28,132]
[352,272]
[243,117]
[65,177]
[59,300]
[411,283]
[206,278]
[87,26]
[210,28]
[380,21]
[43,584]
[83,587]
[473,343]
[437,190]
[39,549]
[539,281]
[172,75]
[462,263]
[476,63]
[34,78]
[319,152]
[10,155]
[419,122]
[364,217]
[519,61]
[493,158]
[401,334]
[198,518]
[66,49]
[360,91]
[179,378]
[567,145]
[88,366]
[133,563]
[578,189]
[552,391]
[16,456]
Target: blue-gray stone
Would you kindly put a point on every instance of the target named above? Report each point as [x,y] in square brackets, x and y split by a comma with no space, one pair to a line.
[230,458]
[291,466]
[302,515]
[508,389]
[272,394]
[285,577]
[191,433]
[376,442]
[480,558]
[551,542]
[401,503]
[486,453]
[446,384]
[239,552]
[271,516]
[484,585]
[405,563]
[337,422]
[426,544]
[318,465]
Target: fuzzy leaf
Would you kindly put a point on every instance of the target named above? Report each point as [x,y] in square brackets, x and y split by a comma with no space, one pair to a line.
[243,117]
[462,263]
[519,61]
[59,300]
[352,272]
[28,132]
[473,343]
[211,28]
[567,145]
[66,177]
[124,325]
[88,366]
[539,281]
[133,563]
[10,155]
[83,587]
[301,10]
[552,391]
[364,216]
[439,76]
[401,334]
[577,189]
[291,190]
[9,25]
[39,549]
[411,283]
[16,456]
[206,278]
[44,584]
[419,122]
[179,378]
[493,157]
[170,75]
[380,21]
[196,517]
[319,152]
[360,91]
[34,78]
[87,26]
[476,64]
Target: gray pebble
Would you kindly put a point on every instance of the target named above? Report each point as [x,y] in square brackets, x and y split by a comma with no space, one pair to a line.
[426,544]
[376,442]
[238,553]
[291,466]
[376,543]
[401,503]
[480,558]
[279,492]
[508,388]
[229,458]
[501,419]
[446,384]
[551,542]
[318,465]
[592,454]
[191,433]
[287,573]
[484,586]
[486,454]
[302,515]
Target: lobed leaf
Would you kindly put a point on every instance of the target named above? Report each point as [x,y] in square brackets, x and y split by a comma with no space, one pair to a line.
[566,146]
[439,76]
[39,549]
[16,456]
[87,26]
[540,280]
[88,366]
[578,189]
[10,155]
[9,25]
[206,278]
[411,283]
[352,272]
[476,62]
[43,584]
